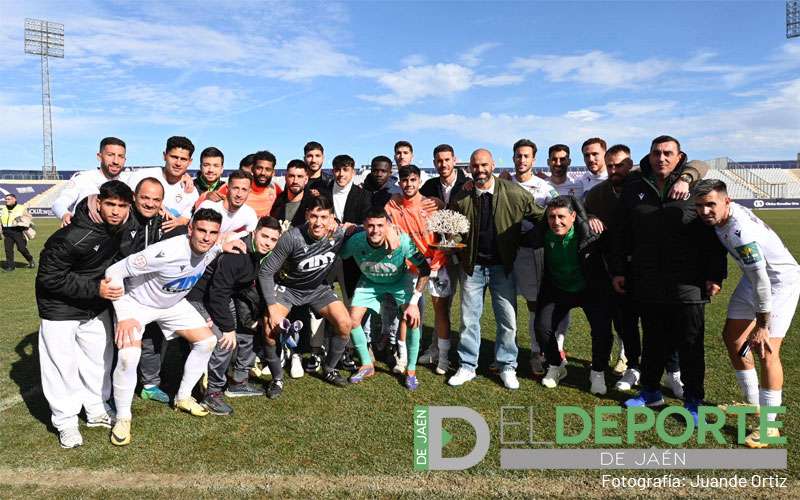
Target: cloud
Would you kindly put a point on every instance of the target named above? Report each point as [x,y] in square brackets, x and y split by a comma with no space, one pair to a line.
[413,60]
[472,57]
[437,80]
[765,128]
[593,68]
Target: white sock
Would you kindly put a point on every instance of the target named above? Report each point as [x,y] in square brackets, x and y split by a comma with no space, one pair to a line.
[444,348]
[534,343]
[770,397]
[125,379]
[560,340]
[402,350]
[748,383]
[196,364]
[149,386]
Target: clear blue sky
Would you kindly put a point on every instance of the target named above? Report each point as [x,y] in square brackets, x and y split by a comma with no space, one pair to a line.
[357,76]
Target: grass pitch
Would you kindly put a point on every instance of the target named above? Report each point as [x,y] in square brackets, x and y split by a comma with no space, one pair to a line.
[317,440]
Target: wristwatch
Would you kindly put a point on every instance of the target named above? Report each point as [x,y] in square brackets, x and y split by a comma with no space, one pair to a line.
[685,178]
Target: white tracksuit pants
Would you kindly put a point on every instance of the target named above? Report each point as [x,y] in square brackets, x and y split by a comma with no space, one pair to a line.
[75,360]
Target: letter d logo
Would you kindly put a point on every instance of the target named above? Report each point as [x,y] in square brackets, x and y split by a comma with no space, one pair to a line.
[430,438]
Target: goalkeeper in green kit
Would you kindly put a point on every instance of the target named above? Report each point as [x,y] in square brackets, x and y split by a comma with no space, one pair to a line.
[385,272]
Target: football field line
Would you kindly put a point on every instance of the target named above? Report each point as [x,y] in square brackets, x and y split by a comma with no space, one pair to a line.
[16,399]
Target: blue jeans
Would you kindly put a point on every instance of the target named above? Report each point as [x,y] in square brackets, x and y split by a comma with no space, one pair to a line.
[503,290]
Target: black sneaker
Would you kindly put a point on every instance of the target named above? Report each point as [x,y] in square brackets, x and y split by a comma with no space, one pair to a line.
[347,363]
[275,389]
[216,405]
[243,389]
[332,377]
[312,363]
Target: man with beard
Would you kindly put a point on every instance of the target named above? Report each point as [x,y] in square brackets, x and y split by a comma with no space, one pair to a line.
[601,202]
[293,201]
[444,283]
[209,178]
[227,295]
[295,274]
[594,151]
[314,156]
[238,219]
[528,265]
[675,264]
[83,184]
[75,352]
[558,161]
[263,191]
[495,209]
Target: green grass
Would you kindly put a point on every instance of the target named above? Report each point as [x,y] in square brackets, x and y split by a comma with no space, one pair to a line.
[320,440]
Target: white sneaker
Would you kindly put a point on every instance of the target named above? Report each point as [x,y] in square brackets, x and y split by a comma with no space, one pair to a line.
[628,380]
[296,370]
[102,420]
[70,438]
[462,375]
[672,380]
[509,378]
[554,375]
[537,363]
[598,382]
[443,366]
[400,363]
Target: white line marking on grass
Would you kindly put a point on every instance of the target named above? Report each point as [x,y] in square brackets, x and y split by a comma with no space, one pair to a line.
[19,398]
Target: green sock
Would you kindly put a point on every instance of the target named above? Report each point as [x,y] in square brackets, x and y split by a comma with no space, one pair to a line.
[413,348]
[360,343]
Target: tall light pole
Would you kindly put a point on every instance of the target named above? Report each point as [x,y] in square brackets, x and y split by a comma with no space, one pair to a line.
[792,18]
[45,39]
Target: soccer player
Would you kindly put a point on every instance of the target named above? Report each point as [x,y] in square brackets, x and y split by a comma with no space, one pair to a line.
[384,272]
[558,161]
[764,302]
[178,203]
[379,182]
[314,156]
[228,296]
[594,151]
[292,203]
[238,218]
[295,274]
[407,213]
[159,278]
[75,351]
[83,184]
[528,265]
[209,178]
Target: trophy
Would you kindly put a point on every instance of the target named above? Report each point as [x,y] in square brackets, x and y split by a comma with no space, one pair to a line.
[447,224]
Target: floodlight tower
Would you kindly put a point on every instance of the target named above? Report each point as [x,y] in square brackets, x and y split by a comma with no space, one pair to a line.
[792,18]
[45,39]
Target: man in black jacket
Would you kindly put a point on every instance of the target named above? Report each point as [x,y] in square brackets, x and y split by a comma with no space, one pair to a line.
[227,295]
[574,276]
[75,350]
[379,182]
[676,264]
[292,203]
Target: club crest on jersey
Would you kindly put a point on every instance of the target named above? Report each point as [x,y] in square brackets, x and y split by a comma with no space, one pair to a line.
[178,198]
[139,262]
[316,262]
[181,284]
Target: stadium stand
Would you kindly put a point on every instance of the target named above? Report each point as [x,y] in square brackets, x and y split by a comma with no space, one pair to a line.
[28,191]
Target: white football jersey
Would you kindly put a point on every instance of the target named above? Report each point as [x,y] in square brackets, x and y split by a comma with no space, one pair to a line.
[243,220]
[570,187]
[541,190]
[176,201]
[755,245]
[79,186]
[590,180]
[163,273]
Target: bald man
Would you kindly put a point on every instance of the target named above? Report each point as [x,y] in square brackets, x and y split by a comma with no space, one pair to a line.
[495,208]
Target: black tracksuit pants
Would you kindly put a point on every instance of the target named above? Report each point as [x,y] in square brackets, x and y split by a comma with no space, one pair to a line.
[13,236]
[667,328]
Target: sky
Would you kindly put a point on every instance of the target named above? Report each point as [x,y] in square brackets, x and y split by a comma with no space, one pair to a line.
[358,76]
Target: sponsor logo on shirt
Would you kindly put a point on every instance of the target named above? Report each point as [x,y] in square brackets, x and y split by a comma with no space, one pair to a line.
[378,268]
[316,262]
[749,253]
[181,284]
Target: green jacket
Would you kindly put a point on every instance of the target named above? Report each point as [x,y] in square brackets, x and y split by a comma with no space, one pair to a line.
[510,204]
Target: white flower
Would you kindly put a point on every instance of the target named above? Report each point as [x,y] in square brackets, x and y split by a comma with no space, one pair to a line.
[448,222]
